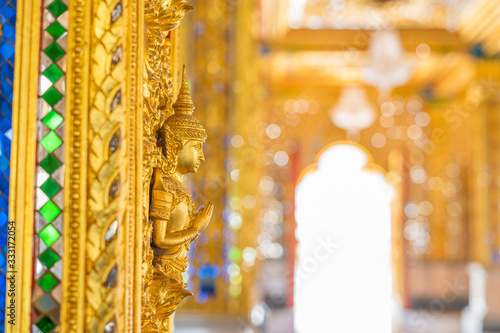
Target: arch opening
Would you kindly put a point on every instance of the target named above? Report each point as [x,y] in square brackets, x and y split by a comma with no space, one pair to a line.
[343,271]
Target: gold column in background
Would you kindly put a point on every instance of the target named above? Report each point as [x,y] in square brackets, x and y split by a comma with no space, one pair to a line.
[489,76]
[483,176]
[210,89]
[244,190]
[398,178]
[445,165]
[434,169]
[479,193]
[225,84]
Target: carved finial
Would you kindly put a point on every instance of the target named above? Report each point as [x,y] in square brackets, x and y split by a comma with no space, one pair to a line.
[184,103]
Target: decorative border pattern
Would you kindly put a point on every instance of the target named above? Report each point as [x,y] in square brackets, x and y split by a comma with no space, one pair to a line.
[72,314]
[129,252]
[47,241]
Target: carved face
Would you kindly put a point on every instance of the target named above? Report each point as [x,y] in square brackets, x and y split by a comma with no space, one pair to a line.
[190,156]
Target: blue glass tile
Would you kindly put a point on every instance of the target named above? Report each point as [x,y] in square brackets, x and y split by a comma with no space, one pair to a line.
[7,69]
[3,286]
[8,31]
[5,124]
[9,13]
[4,144]
[6,88]
[4,165]
[2,260]
[7,172]
[3,219]
[4,204]
[5,107]
[4,185]
[6,50]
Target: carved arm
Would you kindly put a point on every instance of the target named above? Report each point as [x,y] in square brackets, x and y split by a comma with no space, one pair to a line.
[161,205]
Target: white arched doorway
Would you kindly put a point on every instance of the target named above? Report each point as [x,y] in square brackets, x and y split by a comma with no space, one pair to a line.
[343,279]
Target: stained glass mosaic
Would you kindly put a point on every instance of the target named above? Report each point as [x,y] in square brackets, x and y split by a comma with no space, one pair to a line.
[48,242]
[7,51]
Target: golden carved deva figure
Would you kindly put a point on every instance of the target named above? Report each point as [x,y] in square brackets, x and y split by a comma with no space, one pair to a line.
[175,221]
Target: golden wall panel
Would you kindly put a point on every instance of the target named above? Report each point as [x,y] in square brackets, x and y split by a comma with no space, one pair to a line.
[101,282]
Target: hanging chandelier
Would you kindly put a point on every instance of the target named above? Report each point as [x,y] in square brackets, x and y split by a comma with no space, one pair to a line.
[387,66]
[353,112]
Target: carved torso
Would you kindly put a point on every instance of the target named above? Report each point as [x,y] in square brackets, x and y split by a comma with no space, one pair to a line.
[178,208]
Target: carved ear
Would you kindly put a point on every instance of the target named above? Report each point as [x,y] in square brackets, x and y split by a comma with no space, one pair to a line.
[171,146]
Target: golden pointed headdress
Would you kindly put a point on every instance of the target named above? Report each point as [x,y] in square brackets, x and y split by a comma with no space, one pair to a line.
[182,122]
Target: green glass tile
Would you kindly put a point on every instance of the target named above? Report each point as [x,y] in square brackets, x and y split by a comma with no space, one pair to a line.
[45,324]
[49,211]
[56,30]
[51,142]
[54,51]
[50,187]
[48,258]
[47,282]
[52,120]
[53,73]
[49,235]
[57,8]
[50,164]
[52,96]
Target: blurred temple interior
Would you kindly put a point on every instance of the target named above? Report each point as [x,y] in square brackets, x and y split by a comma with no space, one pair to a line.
[353,162]
[352,159]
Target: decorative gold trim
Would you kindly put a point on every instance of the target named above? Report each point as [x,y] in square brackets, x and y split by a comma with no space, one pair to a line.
[22,181]
[77,78]
[130,254]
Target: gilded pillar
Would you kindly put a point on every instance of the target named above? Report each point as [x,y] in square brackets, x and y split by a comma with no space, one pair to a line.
[244,188]
[23,158]
[399,180]
[210,65]
[482,204]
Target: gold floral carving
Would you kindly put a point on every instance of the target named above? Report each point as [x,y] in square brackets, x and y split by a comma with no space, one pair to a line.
[106,169]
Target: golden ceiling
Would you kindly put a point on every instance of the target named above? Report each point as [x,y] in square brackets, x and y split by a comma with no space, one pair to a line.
[324,42]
